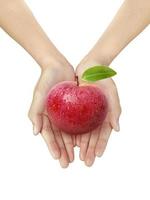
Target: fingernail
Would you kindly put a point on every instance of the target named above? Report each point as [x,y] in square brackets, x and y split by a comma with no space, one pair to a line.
[98,154]
[117,126]
[71,158]
[64,164]
[35,130]
[81,157]
[55,156]
[89,162]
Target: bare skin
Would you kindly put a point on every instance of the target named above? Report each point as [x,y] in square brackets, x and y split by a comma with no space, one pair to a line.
[130,20]
[17,20]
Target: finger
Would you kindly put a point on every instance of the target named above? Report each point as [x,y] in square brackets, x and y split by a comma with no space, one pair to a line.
[90,155]
[69,145]
[49,138]
[78,140]
[35,113]
[64,160]
[103,139]
[114,120]
[115,110]
[37,124]
[74,140]
[84,144]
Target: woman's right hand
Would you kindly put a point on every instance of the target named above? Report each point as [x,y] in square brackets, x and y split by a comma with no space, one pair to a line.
[93,143]
[60,145]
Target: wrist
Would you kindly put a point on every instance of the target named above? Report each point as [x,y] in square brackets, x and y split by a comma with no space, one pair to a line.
[103,55]
[54,61]
[97,58]
[93,58]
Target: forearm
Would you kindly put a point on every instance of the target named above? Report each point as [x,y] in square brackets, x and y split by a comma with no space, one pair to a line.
[131,19]
[17,20]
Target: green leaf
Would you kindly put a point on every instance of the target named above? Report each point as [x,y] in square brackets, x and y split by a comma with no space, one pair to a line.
[96,73]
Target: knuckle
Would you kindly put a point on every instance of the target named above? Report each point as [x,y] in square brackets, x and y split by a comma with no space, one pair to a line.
[91,149]
[52,144]
[46,127]
[84,142]
[103,142]
[57,134]
[63,150]
[69,143]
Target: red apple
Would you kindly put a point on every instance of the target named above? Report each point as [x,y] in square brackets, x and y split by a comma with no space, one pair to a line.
[76,109]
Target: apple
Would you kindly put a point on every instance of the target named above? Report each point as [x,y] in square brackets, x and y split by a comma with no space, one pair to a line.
[76,109]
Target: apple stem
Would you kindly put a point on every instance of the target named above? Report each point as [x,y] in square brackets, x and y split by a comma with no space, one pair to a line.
[77,79]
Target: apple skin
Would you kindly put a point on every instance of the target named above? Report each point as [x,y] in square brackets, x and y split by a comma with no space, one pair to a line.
[76,109]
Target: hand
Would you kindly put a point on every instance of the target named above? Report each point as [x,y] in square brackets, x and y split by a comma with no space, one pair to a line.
[60,145]
[93,144]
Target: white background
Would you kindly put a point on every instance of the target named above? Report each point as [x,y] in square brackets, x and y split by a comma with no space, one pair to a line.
[27,171]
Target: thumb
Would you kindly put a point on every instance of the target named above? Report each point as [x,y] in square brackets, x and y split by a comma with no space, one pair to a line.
[115,113]
[115,110]
[37,124]
[35,113]
[115,122]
